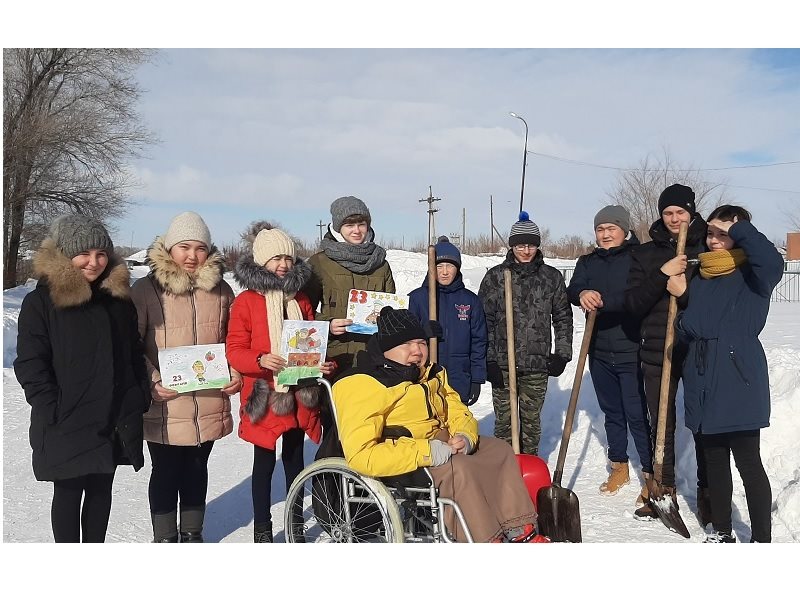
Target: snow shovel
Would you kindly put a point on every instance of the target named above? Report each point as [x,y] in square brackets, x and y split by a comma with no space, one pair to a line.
[660,496]
[433,343]
[535,473]
[559,511]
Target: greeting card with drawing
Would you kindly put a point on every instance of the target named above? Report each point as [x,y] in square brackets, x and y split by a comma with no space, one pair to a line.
[363,307]
[303,345]
[192,368]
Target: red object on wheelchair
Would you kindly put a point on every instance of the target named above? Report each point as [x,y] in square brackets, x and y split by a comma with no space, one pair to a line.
[535,474]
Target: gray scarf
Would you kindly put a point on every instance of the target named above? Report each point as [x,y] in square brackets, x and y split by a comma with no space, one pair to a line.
[357,258]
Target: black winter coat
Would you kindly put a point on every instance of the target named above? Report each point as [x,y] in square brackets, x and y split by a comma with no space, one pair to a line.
[725,377]
[616,331]
[81,364]
[647,298]
[539,300]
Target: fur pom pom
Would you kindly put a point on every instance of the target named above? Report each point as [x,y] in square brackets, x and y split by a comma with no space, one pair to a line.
[309,396]
[523,216]
[281,403]
[258,401]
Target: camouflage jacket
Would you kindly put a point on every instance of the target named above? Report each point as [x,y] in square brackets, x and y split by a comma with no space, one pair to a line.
[539,301]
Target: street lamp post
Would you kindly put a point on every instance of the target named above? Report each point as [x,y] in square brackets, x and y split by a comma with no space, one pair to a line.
[524,159]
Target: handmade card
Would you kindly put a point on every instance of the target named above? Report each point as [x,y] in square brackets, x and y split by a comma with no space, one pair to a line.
[363,307]
[303,345]
[192,368]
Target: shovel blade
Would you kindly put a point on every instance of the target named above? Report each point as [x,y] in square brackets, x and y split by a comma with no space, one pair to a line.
[559,514]
[667,510]
[535,474]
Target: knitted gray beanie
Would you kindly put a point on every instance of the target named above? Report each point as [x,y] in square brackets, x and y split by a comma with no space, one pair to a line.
[615,214]
[187,226]
[74,234]
[347,206]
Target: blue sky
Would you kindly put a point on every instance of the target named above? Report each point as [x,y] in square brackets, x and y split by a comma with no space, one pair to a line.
[279,134]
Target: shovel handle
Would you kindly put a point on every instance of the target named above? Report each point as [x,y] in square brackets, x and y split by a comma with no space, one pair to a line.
[666,370]
[512,361]
[433,343]
[573,397]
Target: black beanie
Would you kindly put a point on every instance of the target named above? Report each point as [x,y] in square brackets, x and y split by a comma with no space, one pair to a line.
[677,195]
[397,326]
[524,231]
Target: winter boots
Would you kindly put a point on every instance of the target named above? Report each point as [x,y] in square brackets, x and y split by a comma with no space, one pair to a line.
[703,506]
[619,476]
[192,524]
[165,527]
[262,533]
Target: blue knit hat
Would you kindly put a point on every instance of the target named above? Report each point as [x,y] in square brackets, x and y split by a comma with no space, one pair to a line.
[447,252]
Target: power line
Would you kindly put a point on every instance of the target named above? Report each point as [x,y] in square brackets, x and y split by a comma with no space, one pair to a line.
[588,164]
[744,187]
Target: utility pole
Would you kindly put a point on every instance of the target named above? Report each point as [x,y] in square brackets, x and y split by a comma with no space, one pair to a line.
[321,226]
[431,226]
[491,219]
[463,229]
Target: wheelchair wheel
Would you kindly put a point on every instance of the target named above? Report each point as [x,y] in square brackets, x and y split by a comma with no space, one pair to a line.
[330,502]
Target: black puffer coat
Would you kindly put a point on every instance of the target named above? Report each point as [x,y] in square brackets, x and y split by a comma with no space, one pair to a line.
[647,298]
[81,364]
[539,300]
[616,332]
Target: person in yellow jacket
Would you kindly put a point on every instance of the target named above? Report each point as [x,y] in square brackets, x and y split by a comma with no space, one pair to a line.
[396,413]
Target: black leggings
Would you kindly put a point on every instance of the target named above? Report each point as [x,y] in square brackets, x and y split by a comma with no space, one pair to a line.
[264,466]
[178,471]
[69,520]
[746,453]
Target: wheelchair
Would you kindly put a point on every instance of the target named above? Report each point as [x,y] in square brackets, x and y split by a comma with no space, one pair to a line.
[331,502]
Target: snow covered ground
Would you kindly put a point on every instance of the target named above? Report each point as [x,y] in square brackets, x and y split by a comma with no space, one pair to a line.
[26,502]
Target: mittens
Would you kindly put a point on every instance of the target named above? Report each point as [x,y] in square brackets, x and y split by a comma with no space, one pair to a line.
[474,393]
[440,452]
[494,375]
[556,365]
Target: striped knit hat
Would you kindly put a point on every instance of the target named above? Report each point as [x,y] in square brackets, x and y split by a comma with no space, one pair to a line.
[524,231]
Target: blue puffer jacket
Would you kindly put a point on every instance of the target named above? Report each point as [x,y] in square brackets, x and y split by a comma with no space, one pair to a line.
[463,350]
[616,335]
[725,377]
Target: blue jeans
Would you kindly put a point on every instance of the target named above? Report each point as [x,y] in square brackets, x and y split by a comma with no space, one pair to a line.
[620,393]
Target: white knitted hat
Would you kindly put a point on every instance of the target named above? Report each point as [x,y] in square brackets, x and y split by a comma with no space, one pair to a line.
[269,243]
[187,226]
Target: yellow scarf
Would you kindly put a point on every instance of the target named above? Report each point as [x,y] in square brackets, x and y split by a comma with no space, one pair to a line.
[720,262]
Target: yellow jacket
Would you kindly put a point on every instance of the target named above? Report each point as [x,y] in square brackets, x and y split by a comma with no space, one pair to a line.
[374,398]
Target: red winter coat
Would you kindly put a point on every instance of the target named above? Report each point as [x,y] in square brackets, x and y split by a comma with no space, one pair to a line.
[248,336]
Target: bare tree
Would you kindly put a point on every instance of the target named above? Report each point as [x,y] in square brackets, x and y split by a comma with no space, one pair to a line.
[792,214]
[69,128]
[638,190]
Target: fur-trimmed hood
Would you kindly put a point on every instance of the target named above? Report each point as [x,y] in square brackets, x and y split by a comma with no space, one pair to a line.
[174,279]
[250,275]
[67,286]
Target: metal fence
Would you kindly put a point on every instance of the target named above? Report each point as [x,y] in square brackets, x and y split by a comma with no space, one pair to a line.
[788,290]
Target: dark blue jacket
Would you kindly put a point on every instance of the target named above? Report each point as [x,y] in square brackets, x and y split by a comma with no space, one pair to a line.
[725,377]
[463,350]
[616,331]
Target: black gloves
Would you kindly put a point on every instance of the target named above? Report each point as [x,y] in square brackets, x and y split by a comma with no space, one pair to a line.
[556,365]
[433,329]
[494,375]
[474,393]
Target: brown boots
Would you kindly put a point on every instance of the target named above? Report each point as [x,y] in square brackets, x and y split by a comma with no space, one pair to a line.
[618,477]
